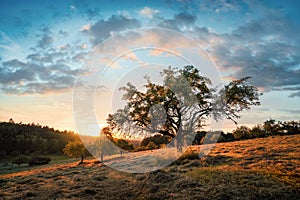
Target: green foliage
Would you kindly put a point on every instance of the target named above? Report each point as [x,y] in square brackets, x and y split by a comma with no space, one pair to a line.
[157,139]
[199,137]
[268,128]
[76,149]
[151,146]
[18,138]
[39,161]
[239,96]
[194,98]
[21,160]
[124,144]
[241,133]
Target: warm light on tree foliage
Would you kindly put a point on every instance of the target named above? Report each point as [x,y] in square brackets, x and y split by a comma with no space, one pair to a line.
[76,150]
[177,107]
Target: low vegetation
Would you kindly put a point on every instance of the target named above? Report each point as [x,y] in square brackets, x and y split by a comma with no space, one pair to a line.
[39,160]
[263,168]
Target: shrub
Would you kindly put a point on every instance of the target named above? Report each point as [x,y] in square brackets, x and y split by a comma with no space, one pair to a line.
[156,139]
[39,161]
[21,159]
[151,145]
[186,157]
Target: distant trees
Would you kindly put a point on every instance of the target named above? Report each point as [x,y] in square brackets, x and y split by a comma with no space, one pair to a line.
[18,138]
[76,149]
[241,133]
[270,127]
[124,145]
[158,141]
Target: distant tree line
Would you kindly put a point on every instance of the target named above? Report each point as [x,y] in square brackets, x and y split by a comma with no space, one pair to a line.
[19,138]
[270,127]
[34,139]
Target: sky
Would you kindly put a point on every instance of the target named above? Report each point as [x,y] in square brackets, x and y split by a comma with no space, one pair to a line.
[45,46]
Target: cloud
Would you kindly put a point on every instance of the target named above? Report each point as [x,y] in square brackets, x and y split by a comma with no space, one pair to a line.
[86,28]
[291,111]
[179,21]
[220,6]
[62,33]
[295,94]
[73,8]
[91,13]
[17,77]
[148,12]
[102,29]
[8,44]
[42,71]
[265,49]
[46,38]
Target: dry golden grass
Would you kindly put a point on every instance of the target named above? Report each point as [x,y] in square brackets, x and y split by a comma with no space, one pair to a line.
[266,168]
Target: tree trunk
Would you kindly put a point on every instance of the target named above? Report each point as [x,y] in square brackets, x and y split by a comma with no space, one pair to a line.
[101,157]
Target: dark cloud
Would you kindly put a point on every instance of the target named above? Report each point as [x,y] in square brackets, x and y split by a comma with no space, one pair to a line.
[41,72]
[62,33]
[267,50]
[295,94]
[179,21]
[295,90]
[46,38]
[102,29]
[220,6]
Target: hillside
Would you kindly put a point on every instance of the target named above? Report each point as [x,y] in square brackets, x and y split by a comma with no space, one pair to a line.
[265,168]
[19,138]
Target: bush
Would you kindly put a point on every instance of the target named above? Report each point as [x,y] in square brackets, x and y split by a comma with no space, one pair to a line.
[21,159]
[156,139]
[151,146]
[186,157]
[39,161]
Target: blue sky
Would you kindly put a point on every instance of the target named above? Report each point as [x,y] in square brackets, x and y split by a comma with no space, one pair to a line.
[43,44]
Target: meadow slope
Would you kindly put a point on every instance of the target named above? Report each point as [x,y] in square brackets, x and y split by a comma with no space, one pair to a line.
[266,168]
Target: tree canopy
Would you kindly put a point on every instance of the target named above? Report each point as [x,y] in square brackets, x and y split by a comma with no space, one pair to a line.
[76,149]
[19,138]
[179,105]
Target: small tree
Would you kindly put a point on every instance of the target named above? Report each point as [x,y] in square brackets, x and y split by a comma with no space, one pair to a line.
[271,127]
[257,132]
[241,133]
[76,150]
[124,145]
[151,145]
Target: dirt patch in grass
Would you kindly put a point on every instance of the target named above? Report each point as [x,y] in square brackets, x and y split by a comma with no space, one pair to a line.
[265,168]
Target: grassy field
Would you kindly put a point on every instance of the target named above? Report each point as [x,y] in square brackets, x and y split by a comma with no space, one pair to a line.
[267,168]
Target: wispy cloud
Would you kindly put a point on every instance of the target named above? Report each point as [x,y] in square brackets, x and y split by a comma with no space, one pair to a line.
[220,6]
[291,111]
[178,22]
[148,12]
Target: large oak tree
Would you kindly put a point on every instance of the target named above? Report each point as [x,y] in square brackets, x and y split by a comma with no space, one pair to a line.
[181,104]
